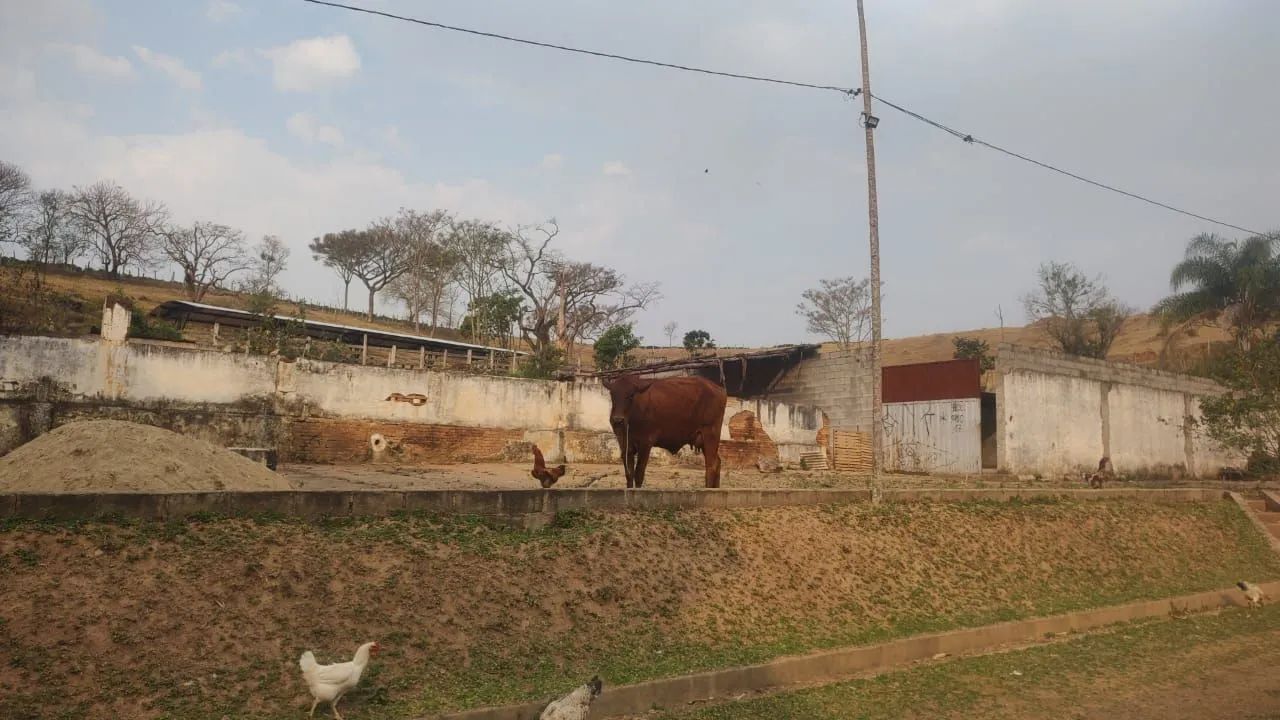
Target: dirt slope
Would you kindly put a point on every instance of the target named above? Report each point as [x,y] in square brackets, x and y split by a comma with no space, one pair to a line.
[205,619]
[116,456]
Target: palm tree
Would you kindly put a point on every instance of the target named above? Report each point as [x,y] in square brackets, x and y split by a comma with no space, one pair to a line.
[1238,281]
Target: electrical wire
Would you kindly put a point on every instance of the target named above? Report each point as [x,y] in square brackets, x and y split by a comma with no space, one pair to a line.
[851,92]
[969,138]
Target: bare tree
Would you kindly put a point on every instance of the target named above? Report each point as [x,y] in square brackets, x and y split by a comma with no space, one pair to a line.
[121,229]
[1076,311]
[431,265]
[670,330]
[343,252]
[593,298]
[15,198]
[838,309]
[208,253]
[480,248]
[269,260]
[47,233]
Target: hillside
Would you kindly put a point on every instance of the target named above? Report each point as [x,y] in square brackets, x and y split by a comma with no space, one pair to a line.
[205,618]
[1141,340]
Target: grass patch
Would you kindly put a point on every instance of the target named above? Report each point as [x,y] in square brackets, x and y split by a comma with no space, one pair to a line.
[1037,682]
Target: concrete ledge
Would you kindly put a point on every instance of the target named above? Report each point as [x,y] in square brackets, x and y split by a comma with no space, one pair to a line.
[530,507]
[1272,500]
[1257,521]
[835,665]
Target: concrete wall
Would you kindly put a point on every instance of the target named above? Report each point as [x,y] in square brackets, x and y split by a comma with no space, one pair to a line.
[836,381]
[943,436]
[1058,414]
[334,406]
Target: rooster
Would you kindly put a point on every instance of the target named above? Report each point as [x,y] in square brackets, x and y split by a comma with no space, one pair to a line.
[328,683]
[576,705]
[545,475]
[1252,593]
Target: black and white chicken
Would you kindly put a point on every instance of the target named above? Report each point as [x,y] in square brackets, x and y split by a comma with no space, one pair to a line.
[576,705]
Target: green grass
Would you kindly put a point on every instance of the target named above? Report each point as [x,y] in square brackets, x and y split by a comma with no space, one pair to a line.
[1013,684]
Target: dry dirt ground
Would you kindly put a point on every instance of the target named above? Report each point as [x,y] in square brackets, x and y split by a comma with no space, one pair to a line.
[1207,667]
[206,618]
[515,476]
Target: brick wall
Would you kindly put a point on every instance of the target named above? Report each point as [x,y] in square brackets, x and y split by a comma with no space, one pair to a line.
[748,442]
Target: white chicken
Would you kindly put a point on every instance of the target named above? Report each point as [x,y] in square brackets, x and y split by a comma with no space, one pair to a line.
[1252,593]
[328,683]
[576,705]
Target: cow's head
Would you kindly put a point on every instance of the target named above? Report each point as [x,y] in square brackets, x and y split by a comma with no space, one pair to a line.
[623,390]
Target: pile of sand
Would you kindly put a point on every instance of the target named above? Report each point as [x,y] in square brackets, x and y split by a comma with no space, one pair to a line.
[116,456]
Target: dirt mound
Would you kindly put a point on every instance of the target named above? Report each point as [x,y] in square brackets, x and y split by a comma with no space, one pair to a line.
[116,456]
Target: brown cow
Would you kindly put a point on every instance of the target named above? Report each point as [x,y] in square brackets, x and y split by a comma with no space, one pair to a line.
[668,413]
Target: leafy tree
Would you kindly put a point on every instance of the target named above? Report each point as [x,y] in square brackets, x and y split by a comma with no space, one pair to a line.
[543,364]
[1076,311]
[839,309]
[967,347]
[490,317]
[343,252]
[1238,281]
[696,340]
[1247,416]
[613,346]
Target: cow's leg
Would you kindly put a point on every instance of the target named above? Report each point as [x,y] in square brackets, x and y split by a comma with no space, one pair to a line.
[626,454]
[629,466]
[642,461]
[711,455]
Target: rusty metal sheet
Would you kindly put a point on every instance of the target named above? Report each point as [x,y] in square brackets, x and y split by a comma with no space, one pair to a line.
[944,380]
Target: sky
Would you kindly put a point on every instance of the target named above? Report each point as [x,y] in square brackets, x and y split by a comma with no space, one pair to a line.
[286,118]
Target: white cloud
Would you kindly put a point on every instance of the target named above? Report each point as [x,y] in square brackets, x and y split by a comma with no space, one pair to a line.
[616,168]
[552,161]
[234,58]
[305,127]
[222,10]
[311,64]
[91,62]
[185,77]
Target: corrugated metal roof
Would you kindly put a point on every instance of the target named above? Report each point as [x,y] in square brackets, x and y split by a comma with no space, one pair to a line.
[382,338]
[943,380]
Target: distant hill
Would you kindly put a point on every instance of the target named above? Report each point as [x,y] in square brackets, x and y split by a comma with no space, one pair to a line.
[1141,340]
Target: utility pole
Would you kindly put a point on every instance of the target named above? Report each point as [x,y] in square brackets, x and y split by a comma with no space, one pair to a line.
[869,123]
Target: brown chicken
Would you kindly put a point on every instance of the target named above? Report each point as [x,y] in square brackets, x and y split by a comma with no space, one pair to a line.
[545,475]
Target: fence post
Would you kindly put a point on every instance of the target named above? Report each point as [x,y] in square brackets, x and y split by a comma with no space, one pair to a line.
[422,357]
[468,357]
[364,349]
[391,357]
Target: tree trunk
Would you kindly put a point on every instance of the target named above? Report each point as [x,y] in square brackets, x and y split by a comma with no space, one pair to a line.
[371,293]
[346,293]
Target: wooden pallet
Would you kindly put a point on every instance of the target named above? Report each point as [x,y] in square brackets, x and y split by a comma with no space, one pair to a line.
[852,451]
[815,460]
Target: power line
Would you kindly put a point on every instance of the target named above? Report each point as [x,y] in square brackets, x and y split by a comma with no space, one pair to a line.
[967,137]
[612,56]
[849,92]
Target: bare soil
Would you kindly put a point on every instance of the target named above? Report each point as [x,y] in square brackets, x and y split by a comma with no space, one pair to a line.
[203,619]
[116,456]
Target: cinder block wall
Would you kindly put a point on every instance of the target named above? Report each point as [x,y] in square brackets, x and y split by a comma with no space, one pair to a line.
[837,381]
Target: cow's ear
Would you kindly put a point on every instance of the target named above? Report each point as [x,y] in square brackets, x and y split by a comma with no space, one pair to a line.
[607,383]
